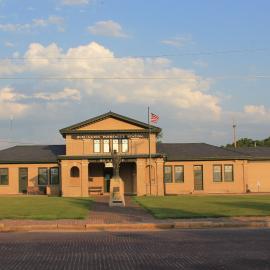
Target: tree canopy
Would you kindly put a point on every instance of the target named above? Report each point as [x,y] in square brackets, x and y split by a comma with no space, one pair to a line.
[246,142]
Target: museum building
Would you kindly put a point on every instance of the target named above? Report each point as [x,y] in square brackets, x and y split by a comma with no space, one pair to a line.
[83,166]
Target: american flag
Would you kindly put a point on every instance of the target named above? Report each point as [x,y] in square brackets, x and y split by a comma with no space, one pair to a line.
[154,118]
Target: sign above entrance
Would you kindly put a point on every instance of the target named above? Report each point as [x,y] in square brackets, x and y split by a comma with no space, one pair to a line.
[110,136]
[108,165]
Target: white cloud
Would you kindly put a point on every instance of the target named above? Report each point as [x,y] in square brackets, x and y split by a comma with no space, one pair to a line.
[178,41]
[200,63]
[9,27]
[9,44]
[107,28]
[75,2]
[256,110]
[182,97]
[66,94]
[179,89]
[35,23]
[9,106]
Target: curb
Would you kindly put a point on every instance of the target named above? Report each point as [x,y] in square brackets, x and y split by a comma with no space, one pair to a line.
[133,226]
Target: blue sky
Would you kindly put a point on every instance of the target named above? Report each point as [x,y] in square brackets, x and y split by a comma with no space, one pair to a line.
[198,64]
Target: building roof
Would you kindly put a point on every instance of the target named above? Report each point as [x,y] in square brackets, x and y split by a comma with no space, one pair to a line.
[173,151]
[255,152]
[32,154]
[197,151]
[73,128]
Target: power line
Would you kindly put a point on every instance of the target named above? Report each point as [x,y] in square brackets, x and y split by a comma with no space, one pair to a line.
[246,77]
[221,52]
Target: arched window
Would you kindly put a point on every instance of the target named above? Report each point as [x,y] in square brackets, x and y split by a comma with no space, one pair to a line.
[74,172]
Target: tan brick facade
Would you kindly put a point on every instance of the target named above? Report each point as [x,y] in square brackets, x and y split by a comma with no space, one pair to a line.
[83,170]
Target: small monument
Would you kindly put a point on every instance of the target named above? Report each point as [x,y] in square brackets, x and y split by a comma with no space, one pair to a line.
[117,185]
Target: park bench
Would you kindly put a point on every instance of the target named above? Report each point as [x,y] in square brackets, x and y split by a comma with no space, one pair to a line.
[35,191]
[97,189]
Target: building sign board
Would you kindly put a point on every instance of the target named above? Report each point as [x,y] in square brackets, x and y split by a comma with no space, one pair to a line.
[108,165]
[109,136]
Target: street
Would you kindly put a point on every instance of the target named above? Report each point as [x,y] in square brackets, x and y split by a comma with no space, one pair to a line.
[174,249]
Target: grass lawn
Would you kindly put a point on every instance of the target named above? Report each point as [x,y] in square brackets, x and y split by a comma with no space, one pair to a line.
[42,207]
[188,206]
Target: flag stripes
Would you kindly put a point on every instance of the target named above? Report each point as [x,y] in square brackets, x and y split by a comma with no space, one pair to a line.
[154,118]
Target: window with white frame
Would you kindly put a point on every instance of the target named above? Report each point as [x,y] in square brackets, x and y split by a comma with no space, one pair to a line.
[4,176]
[217,173]
[124,145]
[115,144]
[106,146]
[228,173]
[179,174]
[96,146]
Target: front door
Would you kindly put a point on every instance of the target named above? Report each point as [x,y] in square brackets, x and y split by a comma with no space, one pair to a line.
[108,172]
[23,180]
[198,177]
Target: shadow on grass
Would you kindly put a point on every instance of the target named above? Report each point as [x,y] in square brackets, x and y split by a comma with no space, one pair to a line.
[51,209]
[247,207]
[211,210]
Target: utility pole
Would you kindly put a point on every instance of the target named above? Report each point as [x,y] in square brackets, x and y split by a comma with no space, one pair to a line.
[234,134]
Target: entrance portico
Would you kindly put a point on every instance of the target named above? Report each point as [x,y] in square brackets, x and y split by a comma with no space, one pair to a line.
[100,174]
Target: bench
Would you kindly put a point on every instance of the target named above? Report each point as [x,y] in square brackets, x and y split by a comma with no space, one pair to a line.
[36,191]
[97,189]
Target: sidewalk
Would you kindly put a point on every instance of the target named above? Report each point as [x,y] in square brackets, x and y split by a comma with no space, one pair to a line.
[132,217]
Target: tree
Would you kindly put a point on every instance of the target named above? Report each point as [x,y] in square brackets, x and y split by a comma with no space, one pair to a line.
[246,142]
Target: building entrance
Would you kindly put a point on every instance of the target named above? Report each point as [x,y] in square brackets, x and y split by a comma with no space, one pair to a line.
[108,173]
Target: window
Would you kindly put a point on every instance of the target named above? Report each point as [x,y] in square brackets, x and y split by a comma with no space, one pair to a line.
[217,173]
[168,174]
[97,146]
[124,145]
[4,176]
[74,172]
[42,176]
[179,174]
[115,145]
[54,176]
[106,146]
[228,173]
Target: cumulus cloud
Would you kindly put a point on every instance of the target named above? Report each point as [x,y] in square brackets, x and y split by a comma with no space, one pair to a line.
[34,24]
[178,41]
[75,2]
[107,28]
[93,72]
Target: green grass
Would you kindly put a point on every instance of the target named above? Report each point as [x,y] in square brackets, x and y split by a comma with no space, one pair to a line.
[188,206]
[42,207]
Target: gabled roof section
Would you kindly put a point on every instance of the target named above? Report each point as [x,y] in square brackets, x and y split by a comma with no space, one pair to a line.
[197,151]
[32,154]
[73,128]
[255,153]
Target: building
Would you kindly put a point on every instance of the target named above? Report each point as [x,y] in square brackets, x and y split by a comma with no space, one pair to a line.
[83,165]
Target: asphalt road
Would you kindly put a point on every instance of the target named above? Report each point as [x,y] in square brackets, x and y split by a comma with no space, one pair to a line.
[174,249]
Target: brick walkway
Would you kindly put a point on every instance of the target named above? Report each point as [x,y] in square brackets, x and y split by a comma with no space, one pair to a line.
[131,213]
[100,213]
[174,249]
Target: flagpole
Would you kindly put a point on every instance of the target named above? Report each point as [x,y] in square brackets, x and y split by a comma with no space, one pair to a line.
[149,148]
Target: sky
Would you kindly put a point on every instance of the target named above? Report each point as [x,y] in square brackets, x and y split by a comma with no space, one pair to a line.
[199,65]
